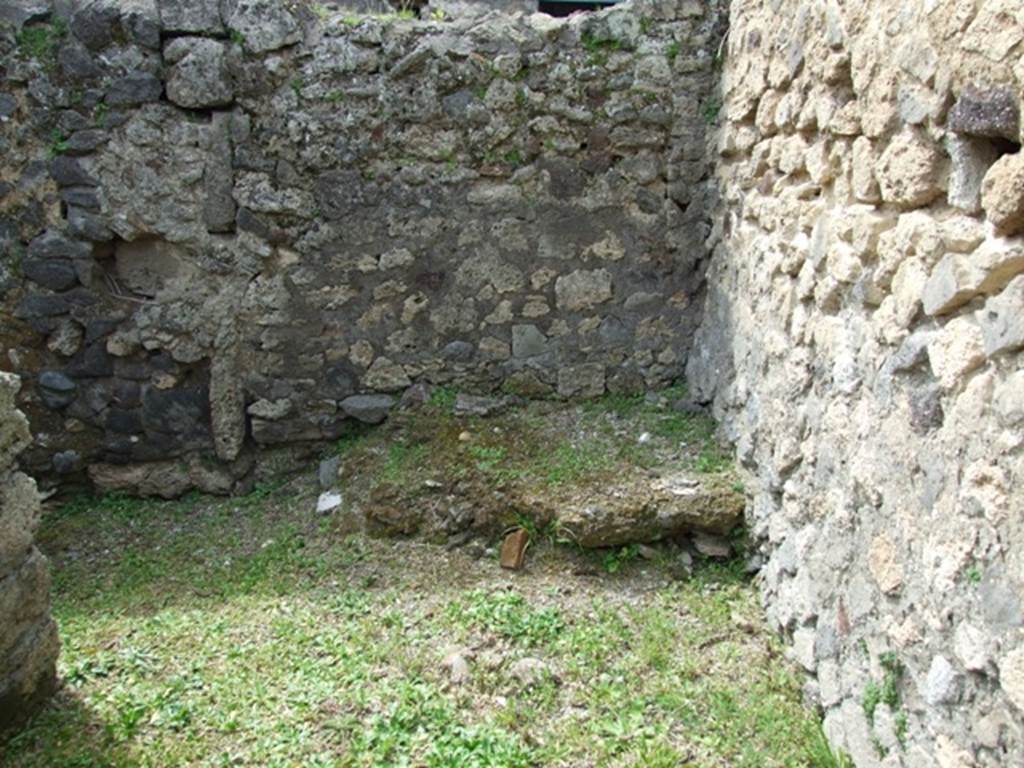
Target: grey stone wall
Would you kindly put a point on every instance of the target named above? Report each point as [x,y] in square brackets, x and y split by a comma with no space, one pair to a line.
[221,220]
[863,345]
[28,636]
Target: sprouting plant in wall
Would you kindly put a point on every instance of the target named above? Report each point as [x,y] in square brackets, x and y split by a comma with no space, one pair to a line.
[648,97]
[448,156]
[442,399]
[886,691]
[438,14]
[99,114]
[41,42]
[973,575]
[599,48]
[672,52]
[334,97]
[514,158]
[521,98]
[297,84]
[236,37]
[900,728]
[710,110]
[58,143]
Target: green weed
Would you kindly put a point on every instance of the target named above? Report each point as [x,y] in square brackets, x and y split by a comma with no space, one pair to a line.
[442,399]
[509,615]
[973,575]
[599,48]
[403,458]
[887,691]
[354,437]
[58,143]
[41,42]
[614,560]
[568,463]
[710,110]
[99,114]
[487,458]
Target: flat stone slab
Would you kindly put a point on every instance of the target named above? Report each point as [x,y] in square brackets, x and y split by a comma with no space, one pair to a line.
[638,510]
[369,409]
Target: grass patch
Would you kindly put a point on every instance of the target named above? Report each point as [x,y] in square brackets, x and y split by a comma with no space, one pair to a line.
[442,399]
[248,632]
[568,463]
[509,615]
[402,459]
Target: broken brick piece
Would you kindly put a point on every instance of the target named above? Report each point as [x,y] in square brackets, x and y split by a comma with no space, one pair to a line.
[513,549]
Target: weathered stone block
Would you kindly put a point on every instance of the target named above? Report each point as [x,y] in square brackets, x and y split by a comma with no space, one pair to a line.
[1002,320]
[1002,194]
[369,409]
[265,25]
[956,350]
[585,380]
[50,273]
[227,405]
[863,160]
[970,161]
[56,389]
[386,376]
[989,113]
[1011,676]
[528,341]
[583,289]
[218,179]
[199,77]
[1009,399]
[884,564]
[134,89]
[909,171]
[958,278]
[198,16]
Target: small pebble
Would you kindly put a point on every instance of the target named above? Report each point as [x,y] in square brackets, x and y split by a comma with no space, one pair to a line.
[465,437]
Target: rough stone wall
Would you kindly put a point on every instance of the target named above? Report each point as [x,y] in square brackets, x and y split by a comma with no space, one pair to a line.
[221,220]
[28,636]
[863,346]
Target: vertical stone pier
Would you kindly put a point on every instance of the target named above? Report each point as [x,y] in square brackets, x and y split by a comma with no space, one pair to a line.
[28,634]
